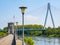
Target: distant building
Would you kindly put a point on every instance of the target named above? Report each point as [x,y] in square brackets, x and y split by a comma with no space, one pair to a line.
[11,28]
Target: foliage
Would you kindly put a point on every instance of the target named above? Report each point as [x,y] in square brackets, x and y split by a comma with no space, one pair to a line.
[3,33]
[53,32]
[28,40]
[50,32]
[35,33]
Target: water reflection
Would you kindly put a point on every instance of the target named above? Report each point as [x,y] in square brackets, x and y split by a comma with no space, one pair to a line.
[59,41]
[46,41]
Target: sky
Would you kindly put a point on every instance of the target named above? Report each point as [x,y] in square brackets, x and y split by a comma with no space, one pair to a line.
[34,14]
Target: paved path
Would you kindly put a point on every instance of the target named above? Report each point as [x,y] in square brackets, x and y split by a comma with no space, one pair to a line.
[6,40]
[18,42]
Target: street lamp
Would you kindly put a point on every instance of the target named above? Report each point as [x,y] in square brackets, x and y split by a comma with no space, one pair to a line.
[16,25]
[23,10]
[16,30]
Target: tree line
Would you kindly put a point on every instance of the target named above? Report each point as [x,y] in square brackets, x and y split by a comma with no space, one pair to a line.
[50,32]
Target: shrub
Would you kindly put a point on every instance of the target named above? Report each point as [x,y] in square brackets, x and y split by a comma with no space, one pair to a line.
[28,41]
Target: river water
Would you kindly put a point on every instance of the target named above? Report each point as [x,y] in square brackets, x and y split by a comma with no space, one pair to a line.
[46,41]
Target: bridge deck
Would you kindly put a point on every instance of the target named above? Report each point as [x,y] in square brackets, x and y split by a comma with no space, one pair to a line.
[8,40]
[31,29]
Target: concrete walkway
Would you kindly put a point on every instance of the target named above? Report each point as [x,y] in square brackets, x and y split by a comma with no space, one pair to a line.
[8,40]
[18,42]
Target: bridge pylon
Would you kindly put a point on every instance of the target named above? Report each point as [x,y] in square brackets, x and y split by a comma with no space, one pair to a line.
[49,10]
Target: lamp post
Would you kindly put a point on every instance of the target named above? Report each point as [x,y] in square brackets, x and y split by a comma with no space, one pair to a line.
[23,10]
[16,25]
[16,30]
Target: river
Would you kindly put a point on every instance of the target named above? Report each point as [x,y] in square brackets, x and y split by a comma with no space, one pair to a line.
[46,41]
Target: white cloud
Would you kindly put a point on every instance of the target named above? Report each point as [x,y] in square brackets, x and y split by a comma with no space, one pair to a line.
[31,19]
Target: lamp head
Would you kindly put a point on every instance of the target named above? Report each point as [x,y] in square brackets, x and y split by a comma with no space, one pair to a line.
[22,9]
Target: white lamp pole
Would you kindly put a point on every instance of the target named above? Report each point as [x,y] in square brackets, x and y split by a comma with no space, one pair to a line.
[23,10]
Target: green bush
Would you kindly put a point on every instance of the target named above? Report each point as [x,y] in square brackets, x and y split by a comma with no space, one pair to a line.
[28,41]
[3,33]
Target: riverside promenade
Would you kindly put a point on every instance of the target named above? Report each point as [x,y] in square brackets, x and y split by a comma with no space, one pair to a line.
[8,40]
